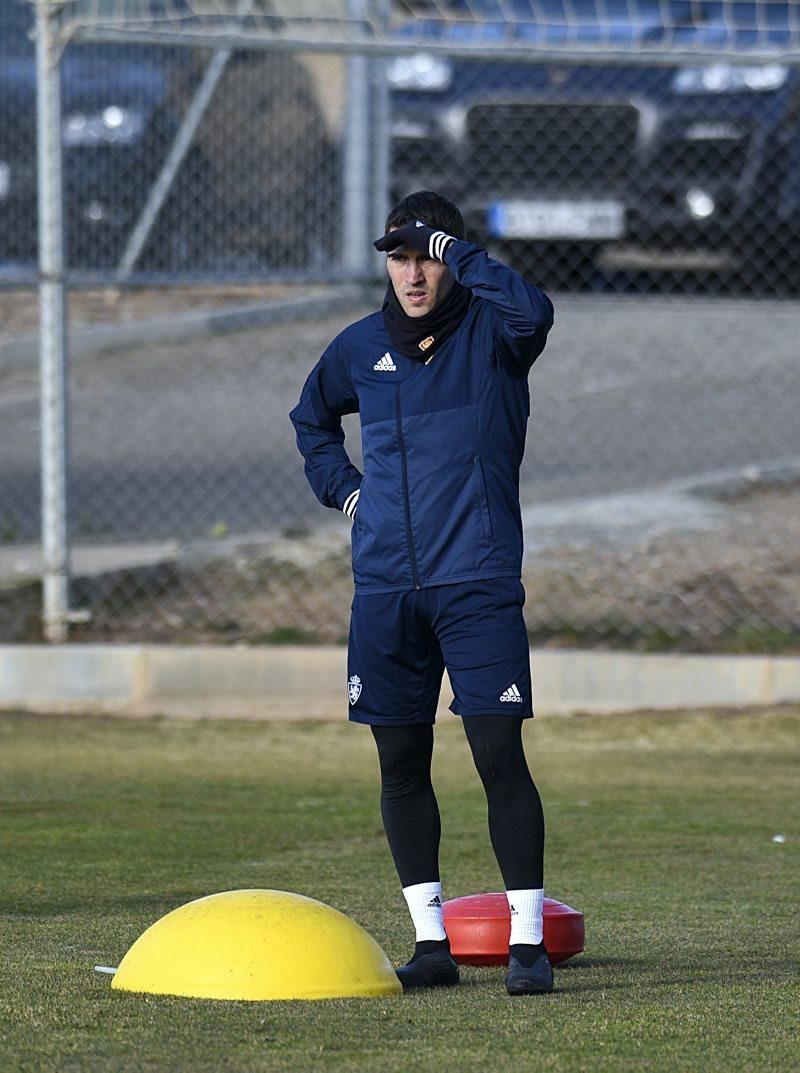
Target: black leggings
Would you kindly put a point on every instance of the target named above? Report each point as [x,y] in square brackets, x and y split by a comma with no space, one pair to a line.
[411,815]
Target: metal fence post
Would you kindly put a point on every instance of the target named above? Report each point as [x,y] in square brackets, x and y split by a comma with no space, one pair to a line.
[381,141]
[52,328]
[356,170]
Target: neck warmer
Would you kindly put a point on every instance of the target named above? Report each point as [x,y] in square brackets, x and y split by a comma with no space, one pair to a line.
[419,338]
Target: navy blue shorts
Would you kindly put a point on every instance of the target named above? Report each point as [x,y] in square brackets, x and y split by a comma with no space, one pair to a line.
[400,643]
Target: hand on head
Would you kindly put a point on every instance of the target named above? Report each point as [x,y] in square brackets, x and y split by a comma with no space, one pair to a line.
[419,236]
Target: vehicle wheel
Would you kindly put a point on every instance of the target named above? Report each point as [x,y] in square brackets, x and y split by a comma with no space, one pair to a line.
[770,264]
[179,240]
[553,266]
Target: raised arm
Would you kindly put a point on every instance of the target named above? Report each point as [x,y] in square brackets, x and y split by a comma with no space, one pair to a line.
[327,395]
[525,314]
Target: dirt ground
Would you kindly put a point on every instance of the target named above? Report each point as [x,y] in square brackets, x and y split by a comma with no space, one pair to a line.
[19,309]
[735,588]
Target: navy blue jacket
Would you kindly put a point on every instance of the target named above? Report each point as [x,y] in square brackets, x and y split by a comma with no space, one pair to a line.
[442,442]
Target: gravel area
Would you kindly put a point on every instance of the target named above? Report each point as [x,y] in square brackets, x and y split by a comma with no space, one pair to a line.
[734,587]
[170,440]
[189,444]
[19,307]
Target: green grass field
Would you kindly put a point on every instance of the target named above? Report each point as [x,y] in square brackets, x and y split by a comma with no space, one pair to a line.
[660,829]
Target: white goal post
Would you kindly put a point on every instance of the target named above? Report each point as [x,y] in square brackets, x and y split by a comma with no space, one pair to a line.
[593,30]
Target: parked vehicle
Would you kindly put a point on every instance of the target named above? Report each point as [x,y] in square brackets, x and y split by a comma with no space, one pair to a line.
[232,207]
[694,162]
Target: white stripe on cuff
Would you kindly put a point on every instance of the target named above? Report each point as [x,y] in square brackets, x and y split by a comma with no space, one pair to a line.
[350,504]
[438,243]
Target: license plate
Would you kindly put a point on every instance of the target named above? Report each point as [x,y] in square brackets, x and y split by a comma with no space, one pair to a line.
[5,179]
[562,218]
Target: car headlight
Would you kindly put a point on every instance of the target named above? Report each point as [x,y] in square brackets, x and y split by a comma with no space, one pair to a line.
[730,78]
[111,126]
[422,71]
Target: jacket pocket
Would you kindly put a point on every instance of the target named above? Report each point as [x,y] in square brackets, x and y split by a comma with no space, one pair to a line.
[483,501]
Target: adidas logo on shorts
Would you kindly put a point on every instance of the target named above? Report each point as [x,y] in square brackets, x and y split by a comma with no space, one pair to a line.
[512,694]
[385,364]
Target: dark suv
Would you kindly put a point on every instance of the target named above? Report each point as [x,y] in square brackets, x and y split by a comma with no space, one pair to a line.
[261,163]
[635,163]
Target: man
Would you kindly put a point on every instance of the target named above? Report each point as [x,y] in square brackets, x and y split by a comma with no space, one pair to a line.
[439,378]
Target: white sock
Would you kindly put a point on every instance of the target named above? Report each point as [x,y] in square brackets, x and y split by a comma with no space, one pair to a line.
[425,906]
[527,907]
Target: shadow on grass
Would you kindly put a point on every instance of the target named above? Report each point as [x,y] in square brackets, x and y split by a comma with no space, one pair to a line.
[653,974]
[599,963]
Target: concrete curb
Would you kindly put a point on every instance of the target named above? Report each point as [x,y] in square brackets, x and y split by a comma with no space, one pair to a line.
[739,480]
[294,682]
[22,351]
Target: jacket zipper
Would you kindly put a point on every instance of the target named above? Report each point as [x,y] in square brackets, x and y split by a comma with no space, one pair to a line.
[401,442]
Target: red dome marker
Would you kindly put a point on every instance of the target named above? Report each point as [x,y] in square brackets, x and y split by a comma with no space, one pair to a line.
[479,925]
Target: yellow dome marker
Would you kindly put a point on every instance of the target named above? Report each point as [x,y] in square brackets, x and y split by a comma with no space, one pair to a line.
[257,945]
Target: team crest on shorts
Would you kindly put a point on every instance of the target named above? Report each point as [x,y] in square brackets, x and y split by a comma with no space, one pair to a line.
[354,688]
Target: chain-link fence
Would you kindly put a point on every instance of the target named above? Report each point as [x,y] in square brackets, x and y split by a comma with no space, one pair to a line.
[224,168]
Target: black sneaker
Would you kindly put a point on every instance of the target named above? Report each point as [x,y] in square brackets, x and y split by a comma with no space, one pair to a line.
[537,980]
[436,969]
